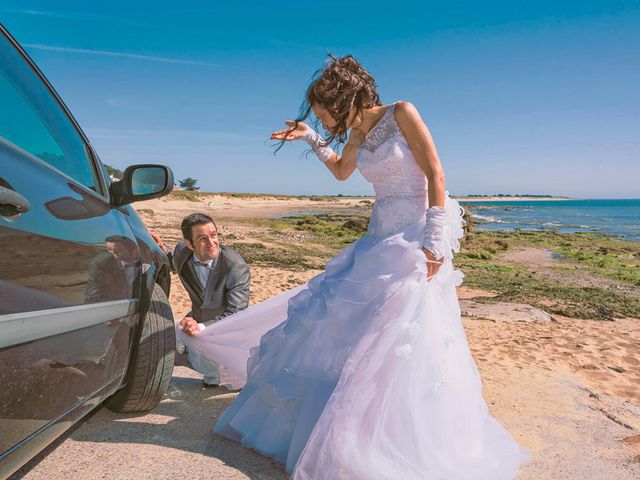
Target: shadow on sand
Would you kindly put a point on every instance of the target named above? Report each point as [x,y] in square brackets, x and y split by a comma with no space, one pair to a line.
[182,424]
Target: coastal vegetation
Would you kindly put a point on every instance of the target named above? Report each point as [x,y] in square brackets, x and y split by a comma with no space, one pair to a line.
[190,195]
[587,275]
[195,196]
[284,196]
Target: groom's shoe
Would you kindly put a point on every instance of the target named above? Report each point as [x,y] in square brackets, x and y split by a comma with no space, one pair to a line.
[209,381]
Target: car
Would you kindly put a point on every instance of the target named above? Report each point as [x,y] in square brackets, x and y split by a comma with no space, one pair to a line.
[84,315]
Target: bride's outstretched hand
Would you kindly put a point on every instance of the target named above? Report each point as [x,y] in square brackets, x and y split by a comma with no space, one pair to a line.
[433,264]
[294,132]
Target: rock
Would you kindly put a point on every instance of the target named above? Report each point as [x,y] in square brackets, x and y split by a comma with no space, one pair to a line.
[358,225]
[501,311]
[632,440]
[469,293]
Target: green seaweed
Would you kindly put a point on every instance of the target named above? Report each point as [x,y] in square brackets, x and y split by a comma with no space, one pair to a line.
[600,256]
[256,253]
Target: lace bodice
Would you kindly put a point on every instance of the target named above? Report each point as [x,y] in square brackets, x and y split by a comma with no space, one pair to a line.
[385,160]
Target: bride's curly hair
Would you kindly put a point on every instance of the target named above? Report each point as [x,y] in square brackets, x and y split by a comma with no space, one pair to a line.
[341,85]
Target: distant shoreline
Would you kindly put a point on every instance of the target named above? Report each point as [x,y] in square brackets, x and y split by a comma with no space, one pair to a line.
[511,199]
[281,196]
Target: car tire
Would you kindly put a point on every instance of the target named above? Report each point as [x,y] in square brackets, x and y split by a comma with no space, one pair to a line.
[152,365]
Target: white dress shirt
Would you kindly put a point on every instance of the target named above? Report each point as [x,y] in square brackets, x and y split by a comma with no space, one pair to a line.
[203,270]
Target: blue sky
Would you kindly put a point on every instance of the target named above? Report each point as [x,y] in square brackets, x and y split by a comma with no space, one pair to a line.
[520,96]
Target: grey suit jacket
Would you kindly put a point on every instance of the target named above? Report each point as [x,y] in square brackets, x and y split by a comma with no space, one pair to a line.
[227,289]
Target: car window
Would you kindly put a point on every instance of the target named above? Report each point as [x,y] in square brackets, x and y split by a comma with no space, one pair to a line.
[32,119]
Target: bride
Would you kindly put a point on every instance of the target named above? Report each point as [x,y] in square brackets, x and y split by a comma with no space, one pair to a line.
[365,372]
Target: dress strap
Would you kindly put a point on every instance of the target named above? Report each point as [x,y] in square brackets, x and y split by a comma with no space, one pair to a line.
[393,113]
[381,130]
[391,108]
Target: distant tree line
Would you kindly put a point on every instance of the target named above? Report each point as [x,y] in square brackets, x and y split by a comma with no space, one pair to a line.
[114,172]
[511,195]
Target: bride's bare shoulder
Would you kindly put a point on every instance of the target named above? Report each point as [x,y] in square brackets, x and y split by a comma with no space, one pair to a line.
[405,109]
[407,115]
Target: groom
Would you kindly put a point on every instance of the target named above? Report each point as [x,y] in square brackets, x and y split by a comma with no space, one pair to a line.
[215,276]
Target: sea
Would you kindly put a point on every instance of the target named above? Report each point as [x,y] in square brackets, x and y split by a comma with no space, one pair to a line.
[617,217]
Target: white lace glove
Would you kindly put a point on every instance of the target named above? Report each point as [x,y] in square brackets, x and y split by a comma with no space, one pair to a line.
[433,232]
[316,143]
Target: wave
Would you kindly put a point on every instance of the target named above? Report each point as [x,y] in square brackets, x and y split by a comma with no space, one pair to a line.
[487,218]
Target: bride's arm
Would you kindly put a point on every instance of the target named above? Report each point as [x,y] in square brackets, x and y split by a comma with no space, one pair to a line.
[341,166]
[423,149]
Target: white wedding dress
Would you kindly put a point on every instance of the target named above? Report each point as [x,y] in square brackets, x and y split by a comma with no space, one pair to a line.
[365,373]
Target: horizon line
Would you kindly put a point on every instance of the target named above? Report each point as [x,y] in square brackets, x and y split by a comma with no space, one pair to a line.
[346,195]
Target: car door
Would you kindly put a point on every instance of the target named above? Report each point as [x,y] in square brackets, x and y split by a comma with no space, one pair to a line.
[69,264]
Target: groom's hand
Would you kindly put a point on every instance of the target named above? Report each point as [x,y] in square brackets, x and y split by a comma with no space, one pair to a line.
[158,240]
[189,326]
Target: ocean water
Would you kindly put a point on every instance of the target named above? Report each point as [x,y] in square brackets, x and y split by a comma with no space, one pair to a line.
[618,217]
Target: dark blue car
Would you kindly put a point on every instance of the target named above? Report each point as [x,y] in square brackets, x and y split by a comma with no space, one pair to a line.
[84,315]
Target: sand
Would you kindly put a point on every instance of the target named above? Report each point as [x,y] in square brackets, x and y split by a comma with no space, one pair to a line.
[567,389]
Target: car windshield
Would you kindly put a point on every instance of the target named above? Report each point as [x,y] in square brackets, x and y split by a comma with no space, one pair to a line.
[32,119]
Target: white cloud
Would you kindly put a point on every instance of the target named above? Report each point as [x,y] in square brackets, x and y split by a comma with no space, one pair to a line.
[156,134]
[108,53]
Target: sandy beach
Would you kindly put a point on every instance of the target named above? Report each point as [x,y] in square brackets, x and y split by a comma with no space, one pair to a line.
[566,388]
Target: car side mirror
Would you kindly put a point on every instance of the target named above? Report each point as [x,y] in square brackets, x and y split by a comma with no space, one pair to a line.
[141,182]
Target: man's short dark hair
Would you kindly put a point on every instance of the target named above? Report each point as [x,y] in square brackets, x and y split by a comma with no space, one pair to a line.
[191,221]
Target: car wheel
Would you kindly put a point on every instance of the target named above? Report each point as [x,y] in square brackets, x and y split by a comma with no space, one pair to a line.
[152,366]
